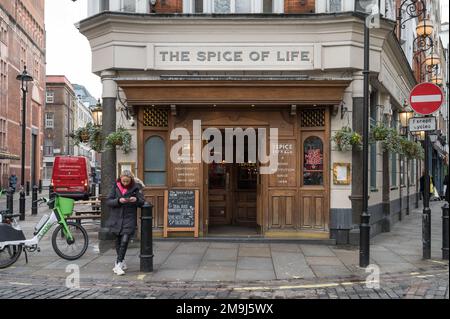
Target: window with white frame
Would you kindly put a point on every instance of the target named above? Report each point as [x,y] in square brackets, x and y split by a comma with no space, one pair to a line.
[48,147]
[334,6]
[233,6]
[50,97]
[49,120]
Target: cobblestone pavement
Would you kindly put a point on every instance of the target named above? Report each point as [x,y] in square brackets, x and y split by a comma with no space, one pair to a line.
[431,284]
[185,270]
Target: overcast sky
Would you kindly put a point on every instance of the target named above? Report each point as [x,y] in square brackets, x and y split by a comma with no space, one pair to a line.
[68,51]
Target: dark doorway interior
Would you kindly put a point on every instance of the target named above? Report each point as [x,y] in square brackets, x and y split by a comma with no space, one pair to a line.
[232,191]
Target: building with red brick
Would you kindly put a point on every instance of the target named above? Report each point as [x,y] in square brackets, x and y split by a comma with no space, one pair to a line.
[22,43]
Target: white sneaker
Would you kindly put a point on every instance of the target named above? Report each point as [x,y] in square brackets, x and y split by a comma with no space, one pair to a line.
[118,269]
[124,265]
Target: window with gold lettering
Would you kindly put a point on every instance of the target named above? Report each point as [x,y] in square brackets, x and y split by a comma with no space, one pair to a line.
[313,161]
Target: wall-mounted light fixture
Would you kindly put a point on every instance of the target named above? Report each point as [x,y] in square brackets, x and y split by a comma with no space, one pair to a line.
[344,109]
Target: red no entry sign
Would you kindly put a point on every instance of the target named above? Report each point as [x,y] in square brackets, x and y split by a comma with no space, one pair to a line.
[426,98]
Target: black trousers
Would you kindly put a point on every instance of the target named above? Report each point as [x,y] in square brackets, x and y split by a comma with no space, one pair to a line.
[122,246]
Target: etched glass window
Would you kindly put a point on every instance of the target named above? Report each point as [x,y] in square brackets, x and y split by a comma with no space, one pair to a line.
[155,161]
[243,6]
[222,6]
[313,161]
[335,6]
[129,6]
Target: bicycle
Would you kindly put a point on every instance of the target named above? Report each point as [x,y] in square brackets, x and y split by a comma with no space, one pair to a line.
[70,234]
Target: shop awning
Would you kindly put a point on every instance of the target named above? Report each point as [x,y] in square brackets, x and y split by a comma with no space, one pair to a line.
[7,155]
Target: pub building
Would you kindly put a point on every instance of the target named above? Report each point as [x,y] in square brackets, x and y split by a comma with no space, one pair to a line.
[189,66]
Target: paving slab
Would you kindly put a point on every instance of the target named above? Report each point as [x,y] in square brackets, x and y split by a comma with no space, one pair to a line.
[324,261]
[219,245]
[173,275]
[330,271]
[215,274]
[255,263]
[254,251]
[316,251]
[250,275]
[191,248]
[221,254]
[294,248]
[179,261]
[291,265]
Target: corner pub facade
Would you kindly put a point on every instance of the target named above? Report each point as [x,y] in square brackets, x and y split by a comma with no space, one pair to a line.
[291,65]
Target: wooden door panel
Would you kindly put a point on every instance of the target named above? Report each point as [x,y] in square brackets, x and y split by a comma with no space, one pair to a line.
[245,208]
[313,213]
[156,198]
[282,211]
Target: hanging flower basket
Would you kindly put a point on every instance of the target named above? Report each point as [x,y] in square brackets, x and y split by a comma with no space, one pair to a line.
[345,140]
[412,150]
[121,138]
[392,142]
[380,132]
[90,135]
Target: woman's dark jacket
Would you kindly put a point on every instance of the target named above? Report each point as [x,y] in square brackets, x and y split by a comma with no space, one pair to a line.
[123,217]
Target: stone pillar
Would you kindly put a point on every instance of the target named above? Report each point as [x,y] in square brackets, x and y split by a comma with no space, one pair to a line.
[108,157]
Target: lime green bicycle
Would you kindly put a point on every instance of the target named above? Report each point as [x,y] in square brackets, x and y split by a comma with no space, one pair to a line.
[69,240]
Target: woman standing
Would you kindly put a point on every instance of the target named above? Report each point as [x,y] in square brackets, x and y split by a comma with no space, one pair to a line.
[124,199]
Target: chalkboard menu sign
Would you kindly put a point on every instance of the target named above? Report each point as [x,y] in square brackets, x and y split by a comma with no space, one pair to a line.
[181,211]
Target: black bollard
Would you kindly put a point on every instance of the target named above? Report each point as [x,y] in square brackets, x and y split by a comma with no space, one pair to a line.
[50,191]
[34,196]
[28,188]
[40,186]
[10,200]
[146,255]
[445,234]
[22,205]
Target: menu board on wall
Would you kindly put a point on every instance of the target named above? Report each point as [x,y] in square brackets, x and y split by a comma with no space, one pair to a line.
[181,211]
[186,175]
[286,173]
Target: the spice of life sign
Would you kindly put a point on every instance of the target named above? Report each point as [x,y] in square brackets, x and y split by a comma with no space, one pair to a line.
[226,57]
[417,124]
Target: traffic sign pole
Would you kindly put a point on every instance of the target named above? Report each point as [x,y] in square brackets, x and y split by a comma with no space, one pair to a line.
[425,99]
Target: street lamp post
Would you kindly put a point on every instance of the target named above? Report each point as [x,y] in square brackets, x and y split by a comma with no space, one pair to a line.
[405,115]
[24,77]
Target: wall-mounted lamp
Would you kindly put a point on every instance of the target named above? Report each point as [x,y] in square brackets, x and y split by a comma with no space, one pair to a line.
[293,110]
[344,110]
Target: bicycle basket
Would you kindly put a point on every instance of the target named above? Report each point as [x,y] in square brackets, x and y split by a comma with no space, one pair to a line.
[65,205]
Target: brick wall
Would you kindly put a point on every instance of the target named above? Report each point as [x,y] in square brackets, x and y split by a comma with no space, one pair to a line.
[299,6]
[169,6]
[24,45]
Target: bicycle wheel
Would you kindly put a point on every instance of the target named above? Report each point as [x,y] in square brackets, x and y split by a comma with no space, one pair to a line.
[9,255]
[67,249]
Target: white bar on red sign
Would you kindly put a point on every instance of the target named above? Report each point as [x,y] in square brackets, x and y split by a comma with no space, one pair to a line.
[426,98]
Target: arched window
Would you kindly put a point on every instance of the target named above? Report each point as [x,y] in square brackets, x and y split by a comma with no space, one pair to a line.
[155,171]
[313,161]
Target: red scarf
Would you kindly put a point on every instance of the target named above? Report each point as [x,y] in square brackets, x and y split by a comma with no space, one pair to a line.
[123,189]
